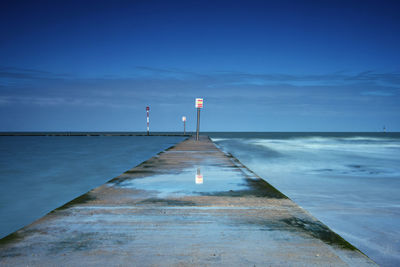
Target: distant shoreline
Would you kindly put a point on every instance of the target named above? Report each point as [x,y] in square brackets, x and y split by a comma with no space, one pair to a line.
[89,134]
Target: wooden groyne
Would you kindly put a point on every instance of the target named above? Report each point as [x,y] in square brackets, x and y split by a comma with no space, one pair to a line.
[191,205]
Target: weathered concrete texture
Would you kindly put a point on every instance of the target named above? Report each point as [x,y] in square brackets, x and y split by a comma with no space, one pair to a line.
[191,205]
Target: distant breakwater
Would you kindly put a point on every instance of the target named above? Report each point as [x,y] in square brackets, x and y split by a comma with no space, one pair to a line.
[90,134]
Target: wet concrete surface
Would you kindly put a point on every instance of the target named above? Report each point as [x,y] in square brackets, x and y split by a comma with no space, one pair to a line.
[191,205]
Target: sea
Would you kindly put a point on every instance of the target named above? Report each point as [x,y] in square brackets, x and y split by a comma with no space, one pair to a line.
[349,181]
[41,173]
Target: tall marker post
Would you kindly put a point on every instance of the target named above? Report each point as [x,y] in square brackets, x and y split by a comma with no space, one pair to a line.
[148,128]
[199,105]
[184,125]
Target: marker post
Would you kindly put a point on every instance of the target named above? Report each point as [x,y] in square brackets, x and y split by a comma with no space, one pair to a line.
[184,125]
[148,122]
[199,105]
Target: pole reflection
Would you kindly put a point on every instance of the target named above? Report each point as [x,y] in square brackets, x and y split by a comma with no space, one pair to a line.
[199,177]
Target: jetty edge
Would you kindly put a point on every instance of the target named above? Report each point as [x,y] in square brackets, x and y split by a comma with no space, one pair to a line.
[190,205]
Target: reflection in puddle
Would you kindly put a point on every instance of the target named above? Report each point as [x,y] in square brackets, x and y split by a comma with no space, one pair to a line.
[199,177]
[219,179]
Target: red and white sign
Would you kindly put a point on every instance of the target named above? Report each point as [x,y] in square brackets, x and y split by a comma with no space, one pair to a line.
[199,179]
[199,102]
[183,118]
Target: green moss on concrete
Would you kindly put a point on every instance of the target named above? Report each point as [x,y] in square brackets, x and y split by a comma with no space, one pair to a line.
[318,230]
[10,238]
[256,187]
[79,200]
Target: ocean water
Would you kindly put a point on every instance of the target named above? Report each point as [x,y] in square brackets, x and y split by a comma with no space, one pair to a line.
[349,181]
[41,173]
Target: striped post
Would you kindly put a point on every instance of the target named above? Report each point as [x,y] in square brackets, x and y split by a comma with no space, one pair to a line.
[148,121]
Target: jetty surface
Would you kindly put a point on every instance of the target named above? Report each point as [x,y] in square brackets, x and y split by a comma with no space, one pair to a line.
[191,205]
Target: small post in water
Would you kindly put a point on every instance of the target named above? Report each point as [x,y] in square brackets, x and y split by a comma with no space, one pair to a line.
[148,128]
[199,105]
[184,125]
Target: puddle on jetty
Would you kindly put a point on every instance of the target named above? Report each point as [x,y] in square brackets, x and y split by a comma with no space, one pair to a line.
[192,181]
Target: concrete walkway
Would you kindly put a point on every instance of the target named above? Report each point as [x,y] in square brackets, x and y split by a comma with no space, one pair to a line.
[191,205]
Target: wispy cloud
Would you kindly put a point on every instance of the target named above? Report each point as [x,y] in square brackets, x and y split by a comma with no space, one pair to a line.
[243,78]
[229,77]
[164,86]
[57,101]
[378,93]
[31,74]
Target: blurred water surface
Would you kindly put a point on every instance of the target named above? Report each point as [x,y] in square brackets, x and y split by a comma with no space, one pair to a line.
[41,173]
[350,181]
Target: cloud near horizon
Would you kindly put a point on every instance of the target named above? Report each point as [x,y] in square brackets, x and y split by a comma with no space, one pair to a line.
[337,96]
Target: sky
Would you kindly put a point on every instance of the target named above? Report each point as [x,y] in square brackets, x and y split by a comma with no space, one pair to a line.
[259,65]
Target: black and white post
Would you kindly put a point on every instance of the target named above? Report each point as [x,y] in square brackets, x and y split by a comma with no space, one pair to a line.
[184,125]
[148,121]
[199,105]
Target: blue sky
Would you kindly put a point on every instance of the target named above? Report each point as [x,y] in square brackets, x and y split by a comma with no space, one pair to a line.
[260,65]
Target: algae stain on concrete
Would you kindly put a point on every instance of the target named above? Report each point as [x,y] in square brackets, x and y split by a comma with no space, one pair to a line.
[85,198]
[318,230]
[75,242]
[7,251]
[167,202]
[310,228]
[255,187]
[13,237]
[89,241]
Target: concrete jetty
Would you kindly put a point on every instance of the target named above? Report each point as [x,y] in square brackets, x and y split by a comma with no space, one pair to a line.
[191,205]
